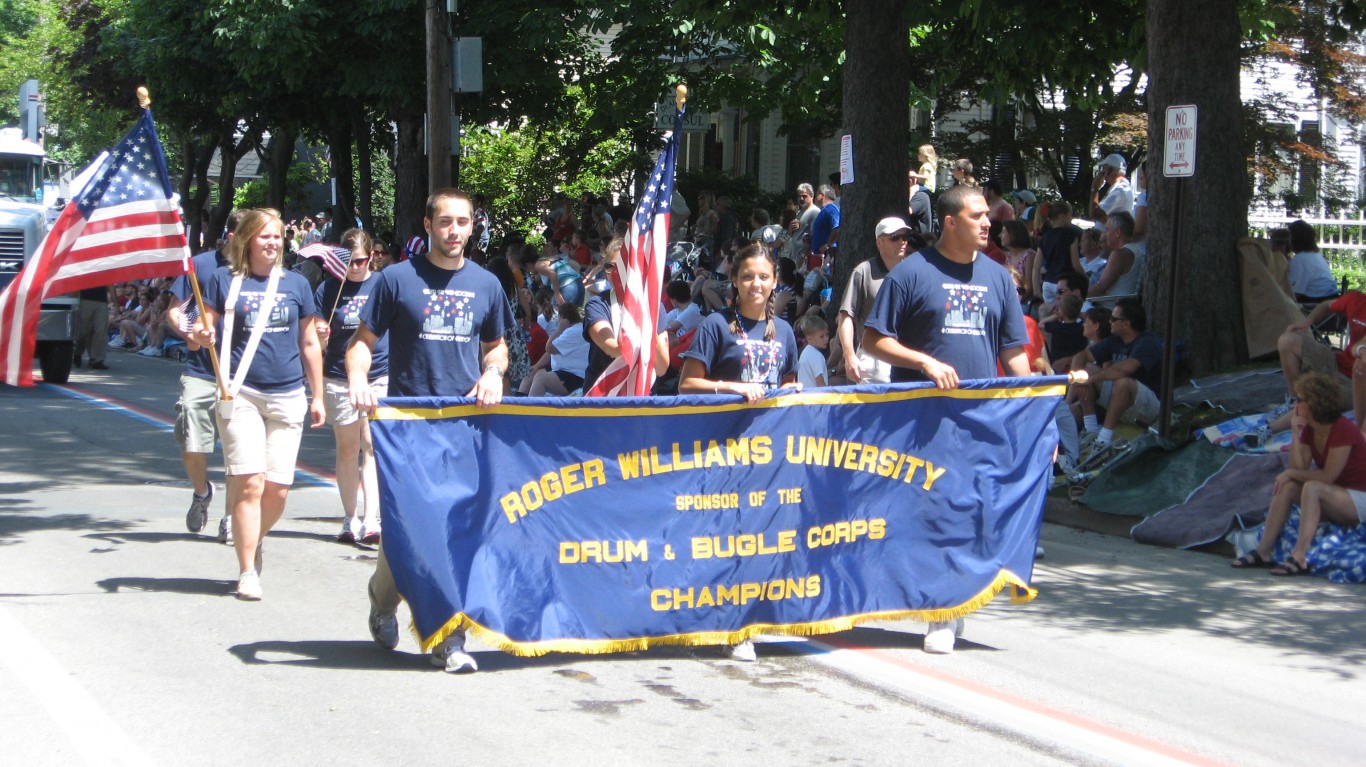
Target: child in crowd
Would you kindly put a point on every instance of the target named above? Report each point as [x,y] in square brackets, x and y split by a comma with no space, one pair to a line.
[685,315]
[1064,335]
[812,367]
[1093,258]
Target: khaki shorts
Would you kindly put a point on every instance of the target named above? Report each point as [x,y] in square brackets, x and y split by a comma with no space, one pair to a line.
[1143,412]
[337,395]
[194,419]
[263,434]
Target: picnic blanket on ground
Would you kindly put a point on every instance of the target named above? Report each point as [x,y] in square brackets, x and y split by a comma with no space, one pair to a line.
[1238,392]
[1155,477]
[1236,497]
[1234,434]
[1337,553]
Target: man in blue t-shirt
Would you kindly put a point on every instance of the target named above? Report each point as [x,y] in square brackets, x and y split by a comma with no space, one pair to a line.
[446,317]
[1125,372]
[194,423]
[949,313]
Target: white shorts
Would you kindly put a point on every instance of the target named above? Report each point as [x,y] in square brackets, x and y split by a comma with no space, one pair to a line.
[1359,500]
[337,396]
[874,370]
[262,435]
[1143,412]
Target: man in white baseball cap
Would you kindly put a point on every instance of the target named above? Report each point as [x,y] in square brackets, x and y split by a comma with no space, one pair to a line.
[892,237]
[1110,191]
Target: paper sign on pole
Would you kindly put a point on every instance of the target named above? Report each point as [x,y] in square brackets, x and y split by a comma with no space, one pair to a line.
[846,159]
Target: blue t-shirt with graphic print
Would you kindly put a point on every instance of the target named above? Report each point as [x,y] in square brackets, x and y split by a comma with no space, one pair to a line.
[438,319]
[747,358]
[343,322]
[963,315]
[277,366]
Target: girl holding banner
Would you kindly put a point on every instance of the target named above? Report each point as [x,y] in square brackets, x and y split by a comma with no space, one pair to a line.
[265,317]
[750,354]
[355,464]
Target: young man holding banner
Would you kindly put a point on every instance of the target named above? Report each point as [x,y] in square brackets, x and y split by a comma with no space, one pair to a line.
[949,313]
[446,318]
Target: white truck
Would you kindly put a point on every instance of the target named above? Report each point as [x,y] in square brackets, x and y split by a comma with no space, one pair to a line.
[23,223]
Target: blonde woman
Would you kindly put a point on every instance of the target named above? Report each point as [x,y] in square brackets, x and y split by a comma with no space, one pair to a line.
[265,317]
[926,176]
[704,226]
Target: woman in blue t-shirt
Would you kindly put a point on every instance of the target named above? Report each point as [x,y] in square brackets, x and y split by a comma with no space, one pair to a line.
[341,303]
[749,355]
[269,347]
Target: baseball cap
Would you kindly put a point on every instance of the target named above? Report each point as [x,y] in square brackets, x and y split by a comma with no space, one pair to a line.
[891,225]
[1114,161]
[767,234]
[416,246]
[1025,196]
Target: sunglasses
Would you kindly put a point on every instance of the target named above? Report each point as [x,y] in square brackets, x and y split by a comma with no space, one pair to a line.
[898,237]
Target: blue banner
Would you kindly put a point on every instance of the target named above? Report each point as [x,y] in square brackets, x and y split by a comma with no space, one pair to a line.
[603,525]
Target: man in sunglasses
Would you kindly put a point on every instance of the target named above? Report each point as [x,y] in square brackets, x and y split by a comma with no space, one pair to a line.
[892,236]
[1125,372]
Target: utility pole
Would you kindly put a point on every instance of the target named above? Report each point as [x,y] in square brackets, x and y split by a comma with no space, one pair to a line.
[438,96]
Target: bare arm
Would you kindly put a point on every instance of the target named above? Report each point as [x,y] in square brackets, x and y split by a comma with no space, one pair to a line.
[844,327]
[891,351]
[358,356]
[694,381]
[1015,361]
[1119,264]
[488,390]
[312,354]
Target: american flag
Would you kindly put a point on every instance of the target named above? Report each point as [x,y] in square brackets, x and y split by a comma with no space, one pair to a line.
[333,258]
[124,225]
[189,315]
[638,282]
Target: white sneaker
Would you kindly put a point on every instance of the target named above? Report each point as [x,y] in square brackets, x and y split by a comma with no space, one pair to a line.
[939,637]
[384,630]
[450,655]
[369,531]
[249,587]
[150,351]
[743,652]
[350,530]
[225,530]
[118,343]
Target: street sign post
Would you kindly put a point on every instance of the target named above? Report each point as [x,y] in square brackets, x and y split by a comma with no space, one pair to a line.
[1178,162]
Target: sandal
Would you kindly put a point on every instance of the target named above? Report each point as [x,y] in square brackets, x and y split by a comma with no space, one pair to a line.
[1290,567]
[1251,559]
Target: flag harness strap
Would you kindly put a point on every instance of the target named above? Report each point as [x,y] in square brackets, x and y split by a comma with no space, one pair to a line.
[257,329]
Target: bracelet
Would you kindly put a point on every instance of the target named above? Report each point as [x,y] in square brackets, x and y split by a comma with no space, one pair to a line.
[495,369]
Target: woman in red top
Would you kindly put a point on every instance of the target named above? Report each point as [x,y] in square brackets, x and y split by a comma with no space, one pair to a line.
[1327,476]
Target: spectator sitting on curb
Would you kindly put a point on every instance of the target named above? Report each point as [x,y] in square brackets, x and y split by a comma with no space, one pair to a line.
[1125,372]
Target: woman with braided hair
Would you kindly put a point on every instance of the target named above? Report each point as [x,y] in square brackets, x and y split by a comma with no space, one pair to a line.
[749,353]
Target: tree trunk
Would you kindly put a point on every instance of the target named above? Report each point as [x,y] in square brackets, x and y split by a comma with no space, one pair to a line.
[196,177]
[361,128]
[877,94]
[279,156]
[410,178]
[1193,58]
[339,145]
[228,156]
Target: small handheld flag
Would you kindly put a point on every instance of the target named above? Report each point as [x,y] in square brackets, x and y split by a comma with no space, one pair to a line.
[334,259]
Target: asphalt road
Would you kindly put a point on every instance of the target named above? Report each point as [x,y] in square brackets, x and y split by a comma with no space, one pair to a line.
[121,643]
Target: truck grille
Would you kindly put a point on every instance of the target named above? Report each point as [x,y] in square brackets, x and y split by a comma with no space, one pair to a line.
[11,249]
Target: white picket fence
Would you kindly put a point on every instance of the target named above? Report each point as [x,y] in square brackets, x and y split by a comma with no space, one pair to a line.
[1341,240]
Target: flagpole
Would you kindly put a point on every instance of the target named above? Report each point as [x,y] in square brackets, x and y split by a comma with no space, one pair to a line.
[145,101]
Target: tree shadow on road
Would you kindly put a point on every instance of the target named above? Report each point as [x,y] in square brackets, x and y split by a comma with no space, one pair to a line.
[13,526]
[1157,591]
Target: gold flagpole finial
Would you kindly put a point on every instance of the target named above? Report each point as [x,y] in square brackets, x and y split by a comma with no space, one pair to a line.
[144,98]
[681,96]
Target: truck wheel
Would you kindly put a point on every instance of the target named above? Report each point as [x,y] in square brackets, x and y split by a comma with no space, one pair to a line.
[55,362]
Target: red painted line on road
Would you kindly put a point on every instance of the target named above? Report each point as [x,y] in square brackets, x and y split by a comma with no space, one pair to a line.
[1081,722]
[314,474]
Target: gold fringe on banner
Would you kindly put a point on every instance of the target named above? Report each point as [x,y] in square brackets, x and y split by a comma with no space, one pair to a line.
[1020,593]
